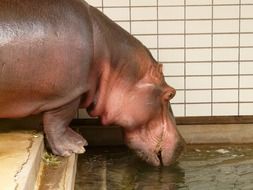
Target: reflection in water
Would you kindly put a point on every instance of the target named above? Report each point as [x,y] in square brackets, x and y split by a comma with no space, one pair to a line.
[200,168]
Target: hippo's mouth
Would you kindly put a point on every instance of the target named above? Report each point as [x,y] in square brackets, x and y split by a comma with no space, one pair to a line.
[159,155]
[154,159]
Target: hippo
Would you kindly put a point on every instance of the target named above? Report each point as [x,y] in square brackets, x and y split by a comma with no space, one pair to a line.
[57,56]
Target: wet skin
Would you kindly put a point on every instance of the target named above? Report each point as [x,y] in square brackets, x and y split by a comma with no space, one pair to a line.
[63,55]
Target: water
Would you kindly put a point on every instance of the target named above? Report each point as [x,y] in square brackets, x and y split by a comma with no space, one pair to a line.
[202,167]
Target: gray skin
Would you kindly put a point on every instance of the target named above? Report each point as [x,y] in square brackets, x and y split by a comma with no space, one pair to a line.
[59,55]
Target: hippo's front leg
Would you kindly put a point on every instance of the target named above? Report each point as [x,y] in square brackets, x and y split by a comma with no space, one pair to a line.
[61,138]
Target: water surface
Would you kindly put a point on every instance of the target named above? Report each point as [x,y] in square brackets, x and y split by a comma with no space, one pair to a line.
[201,167]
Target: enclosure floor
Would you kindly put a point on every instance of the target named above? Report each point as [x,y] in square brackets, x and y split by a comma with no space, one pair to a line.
[20,154]
[201,167]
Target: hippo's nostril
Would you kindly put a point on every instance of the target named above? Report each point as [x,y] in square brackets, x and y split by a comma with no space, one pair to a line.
[159,156]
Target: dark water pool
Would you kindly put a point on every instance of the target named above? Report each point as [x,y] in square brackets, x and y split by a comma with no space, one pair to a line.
[202,167]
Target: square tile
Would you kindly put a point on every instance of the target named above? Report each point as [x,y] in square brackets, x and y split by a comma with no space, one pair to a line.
[199,12]
[225,82]
[171,12]
[198,68]
[176,82]
[198,109]
[246,1]
[246,108]
[198,82]
[198,40]
[171,55]
[198,96]
[225,68]
[170,2]
[198,55]
[198,26]
[143,2]
[225,26]
[246,39]
[247,25]
[246,82]
[225,40]
[143,13]
[149,41]
[225,109]
[95,3]
[179,97]
[246,11]
[168,27]
[115,3]
[178,110]
[226,11]
[216,2]
[225,95]
[225,54]
[172,69]
[198,2]
[141,27]
[117,13]
[246,53]
[171,41]
[246,95]
[246,67]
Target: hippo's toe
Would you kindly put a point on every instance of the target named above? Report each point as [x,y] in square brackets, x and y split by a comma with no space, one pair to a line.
[67,143]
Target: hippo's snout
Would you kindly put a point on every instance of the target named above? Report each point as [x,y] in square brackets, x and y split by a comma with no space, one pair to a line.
[168,156]
[164,153]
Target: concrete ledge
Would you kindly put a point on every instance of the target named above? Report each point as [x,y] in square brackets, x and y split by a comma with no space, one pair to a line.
[20,154]
[60,176]
[193,134]
[208,134]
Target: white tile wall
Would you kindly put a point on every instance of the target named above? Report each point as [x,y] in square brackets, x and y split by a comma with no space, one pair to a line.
[207,51]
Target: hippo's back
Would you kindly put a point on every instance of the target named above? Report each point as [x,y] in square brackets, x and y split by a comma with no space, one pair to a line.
[45,51]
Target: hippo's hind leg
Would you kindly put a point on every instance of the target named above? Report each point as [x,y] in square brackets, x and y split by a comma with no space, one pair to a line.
[61,138]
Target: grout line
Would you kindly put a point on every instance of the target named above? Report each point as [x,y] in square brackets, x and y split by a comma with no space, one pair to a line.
[182,5]
[195,33]
[216,89]
[239,58]
[130,17]
[212,47]
[214,75]
[181,20]
[185,66]
[157,30]
[215,103]
[202,47]
[208,61]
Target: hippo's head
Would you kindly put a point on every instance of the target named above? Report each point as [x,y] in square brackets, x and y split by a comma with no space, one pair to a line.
[137,98]
[148,121]
[150,128]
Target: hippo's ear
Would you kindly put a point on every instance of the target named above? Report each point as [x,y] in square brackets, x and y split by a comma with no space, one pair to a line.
[169,93]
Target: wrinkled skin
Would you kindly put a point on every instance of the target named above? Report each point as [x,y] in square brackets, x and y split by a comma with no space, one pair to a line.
[62,55]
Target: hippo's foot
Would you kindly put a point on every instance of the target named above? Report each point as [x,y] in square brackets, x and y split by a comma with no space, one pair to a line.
[62,139]
[66,143]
